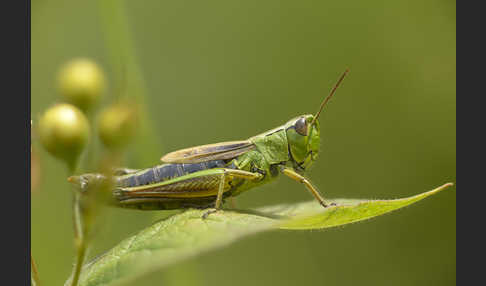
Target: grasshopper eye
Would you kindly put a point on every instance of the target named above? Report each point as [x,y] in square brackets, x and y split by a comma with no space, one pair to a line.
[301,126]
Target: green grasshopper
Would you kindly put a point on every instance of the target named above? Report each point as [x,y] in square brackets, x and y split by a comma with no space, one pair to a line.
[203,176]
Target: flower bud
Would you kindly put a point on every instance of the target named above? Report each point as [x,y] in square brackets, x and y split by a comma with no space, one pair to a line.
[117,124]
[64,131]
[82,83]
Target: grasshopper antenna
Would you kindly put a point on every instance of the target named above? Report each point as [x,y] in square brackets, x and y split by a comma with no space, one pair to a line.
[329,96]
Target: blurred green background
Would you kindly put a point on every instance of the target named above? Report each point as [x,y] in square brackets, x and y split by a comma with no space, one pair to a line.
[226,70]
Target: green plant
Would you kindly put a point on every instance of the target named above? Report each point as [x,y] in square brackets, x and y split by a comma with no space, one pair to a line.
[216,235]
[182,235]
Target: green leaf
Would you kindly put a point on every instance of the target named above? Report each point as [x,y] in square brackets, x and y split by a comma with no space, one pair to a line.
[184,235]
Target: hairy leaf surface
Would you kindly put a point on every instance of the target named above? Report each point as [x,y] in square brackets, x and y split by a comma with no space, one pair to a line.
[186,234]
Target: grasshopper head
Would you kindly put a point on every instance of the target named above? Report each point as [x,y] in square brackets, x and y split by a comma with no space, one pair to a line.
[303,134]
[304,139]
[87,181]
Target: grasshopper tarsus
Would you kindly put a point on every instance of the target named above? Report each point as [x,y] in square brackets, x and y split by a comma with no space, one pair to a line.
[208,212]
[332,204]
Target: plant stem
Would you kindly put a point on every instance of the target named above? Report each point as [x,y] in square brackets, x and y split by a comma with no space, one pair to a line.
[122,55]
[79,238]
[79,231]
[80,255]
[34,275]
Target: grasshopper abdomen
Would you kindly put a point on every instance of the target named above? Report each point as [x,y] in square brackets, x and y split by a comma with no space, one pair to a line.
[164,172]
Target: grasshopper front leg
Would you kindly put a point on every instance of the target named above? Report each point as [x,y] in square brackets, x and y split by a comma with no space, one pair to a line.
[301,179]
[225,174]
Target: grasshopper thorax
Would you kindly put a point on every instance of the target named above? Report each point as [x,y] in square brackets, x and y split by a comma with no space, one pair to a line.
[304,140]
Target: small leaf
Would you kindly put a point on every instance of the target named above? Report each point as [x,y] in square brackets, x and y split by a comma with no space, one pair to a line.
[184,235]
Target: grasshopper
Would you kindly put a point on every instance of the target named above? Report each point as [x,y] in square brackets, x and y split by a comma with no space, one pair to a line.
[203,176]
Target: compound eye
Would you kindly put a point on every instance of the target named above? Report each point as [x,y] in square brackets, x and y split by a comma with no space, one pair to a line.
[301,126]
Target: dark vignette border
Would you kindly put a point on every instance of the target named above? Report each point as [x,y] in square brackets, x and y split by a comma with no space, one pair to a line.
[15,138]
[471,144]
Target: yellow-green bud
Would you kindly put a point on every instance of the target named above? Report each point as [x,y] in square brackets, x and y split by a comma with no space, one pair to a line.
[82,83]
[117,124]
[64,131]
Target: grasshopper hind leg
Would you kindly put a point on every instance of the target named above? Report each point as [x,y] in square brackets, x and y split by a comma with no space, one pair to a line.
[219,197]
[225,174]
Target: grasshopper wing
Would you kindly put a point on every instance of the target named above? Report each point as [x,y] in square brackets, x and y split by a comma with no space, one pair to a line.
[203,153]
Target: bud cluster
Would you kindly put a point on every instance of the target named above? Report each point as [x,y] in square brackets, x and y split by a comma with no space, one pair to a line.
[64,129]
